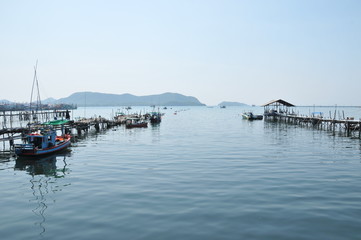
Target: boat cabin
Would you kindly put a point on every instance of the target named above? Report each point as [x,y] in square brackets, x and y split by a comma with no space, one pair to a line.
[43,140]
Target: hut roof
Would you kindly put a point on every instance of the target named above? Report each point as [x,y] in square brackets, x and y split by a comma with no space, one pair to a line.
[280,101]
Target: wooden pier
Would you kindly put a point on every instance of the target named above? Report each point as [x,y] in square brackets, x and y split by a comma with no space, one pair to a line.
[15,125]
[279,110]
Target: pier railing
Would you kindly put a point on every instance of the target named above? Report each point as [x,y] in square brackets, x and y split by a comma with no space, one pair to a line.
[349,126]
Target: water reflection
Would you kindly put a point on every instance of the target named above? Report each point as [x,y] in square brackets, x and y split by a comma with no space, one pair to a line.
[45,173]
[44,165]
[155,131]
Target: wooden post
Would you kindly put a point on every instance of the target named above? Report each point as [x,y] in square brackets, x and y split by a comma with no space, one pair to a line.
[97,126]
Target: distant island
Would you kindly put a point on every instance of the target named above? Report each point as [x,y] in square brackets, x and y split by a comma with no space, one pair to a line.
[232,104]
[80,99]
[106,99]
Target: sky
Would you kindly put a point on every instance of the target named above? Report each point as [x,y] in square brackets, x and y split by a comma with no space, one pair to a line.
[306,52]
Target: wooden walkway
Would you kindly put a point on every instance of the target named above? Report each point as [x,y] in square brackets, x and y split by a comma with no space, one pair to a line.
[349,126]
[14,125]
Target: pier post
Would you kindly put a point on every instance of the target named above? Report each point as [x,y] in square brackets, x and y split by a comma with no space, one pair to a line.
[97,127]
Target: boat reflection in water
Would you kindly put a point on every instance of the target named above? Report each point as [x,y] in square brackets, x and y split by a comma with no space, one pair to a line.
[44,165]
[47,179]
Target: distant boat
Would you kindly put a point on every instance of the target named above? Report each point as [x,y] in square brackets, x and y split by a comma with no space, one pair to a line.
[251,116]
[155,117]
[44,142]
[135,123]
[223,106]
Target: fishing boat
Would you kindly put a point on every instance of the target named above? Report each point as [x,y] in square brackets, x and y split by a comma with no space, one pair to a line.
[135,123]
[251,116]
[155,117]
[44,142]
[43,139]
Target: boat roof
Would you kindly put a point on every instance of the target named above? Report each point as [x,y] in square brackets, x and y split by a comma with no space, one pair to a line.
[56,122]
[35,135]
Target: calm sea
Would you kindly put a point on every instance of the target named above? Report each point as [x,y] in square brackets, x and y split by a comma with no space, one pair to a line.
[203,173]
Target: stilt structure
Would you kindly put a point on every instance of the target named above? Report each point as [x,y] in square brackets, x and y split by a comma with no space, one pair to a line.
[283,112]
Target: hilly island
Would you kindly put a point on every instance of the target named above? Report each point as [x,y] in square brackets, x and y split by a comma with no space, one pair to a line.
[106,99]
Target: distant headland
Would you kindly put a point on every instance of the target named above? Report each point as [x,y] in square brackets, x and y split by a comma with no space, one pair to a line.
[106,99]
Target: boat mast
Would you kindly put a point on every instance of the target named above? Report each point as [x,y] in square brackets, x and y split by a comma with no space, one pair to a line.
[38,100]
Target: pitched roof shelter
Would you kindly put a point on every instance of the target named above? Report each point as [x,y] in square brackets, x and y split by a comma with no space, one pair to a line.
[276,107]
[278,102]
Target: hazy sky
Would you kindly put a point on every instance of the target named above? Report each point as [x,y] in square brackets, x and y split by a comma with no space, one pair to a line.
[304,51]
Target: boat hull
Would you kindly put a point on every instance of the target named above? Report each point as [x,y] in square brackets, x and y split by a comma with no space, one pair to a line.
[39,152]
[155,120]
[137,125]
[252,116]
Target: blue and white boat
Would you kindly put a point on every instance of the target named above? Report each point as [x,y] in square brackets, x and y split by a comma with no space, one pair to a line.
[44,141]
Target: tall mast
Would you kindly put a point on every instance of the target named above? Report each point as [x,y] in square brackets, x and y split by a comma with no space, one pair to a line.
[38,100]
[35,82]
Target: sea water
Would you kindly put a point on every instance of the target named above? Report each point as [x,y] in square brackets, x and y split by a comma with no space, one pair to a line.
[202,173]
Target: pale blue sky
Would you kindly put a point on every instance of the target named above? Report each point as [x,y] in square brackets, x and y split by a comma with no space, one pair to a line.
[306,52]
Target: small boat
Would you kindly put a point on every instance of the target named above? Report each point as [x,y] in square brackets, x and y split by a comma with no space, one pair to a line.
[251,116]
[44,142]
[155,117]
[135,123]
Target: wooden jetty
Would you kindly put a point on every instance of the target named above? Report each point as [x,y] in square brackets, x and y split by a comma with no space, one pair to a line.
[281,111]
[15,125]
